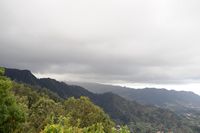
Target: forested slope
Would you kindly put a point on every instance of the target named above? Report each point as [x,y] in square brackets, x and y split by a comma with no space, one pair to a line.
[140,118]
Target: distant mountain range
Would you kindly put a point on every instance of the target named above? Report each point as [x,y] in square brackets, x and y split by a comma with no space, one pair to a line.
[179,101]
[123,108]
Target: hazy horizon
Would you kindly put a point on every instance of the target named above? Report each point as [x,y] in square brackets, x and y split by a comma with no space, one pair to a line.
[129,43]
[185,87]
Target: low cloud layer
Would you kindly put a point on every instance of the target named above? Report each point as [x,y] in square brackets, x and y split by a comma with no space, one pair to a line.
[103,41]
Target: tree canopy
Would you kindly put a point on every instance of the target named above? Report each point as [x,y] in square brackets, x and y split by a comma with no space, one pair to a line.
[27,109]
[11,115]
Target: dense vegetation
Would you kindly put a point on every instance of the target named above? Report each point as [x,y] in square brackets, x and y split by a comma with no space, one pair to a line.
[10,113]
[27,109]
[47,96]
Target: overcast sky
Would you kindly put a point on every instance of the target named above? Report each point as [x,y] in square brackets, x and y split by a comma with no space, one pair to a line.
[126,42]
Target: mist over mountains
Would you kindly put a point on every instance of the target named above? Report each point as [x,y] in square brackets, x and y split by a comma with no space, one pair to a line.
[179,101]
[146,42]
[124,105]
[129,43]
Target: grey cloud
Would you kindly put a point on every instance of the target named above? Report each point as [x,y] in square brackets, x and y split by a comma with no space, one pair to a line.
[103,41]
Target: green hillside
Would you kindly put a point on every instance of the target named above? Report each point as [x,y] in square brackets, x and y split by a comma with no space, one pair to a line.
[24,109]
[48,104]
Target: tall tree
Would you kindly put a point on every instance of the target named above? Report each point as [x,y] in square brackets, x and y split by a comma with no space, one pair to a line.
[11,115]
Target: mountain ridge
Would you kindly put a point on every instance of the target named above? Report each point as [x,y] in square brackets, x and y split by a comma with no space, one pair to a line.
[121,110]
[164,98]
